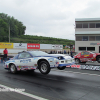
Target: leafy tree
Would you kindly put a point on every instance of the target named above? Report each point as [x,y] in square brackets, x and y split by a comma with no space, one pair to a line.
[16,27]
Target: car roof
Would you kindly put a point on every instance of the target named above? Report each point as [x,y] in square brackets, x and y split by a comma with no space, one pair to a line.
[28,51]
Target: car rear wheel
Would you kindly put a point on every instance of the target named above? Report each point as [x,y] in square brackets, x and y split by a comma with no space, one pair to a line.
[13,69]
[77,61]
[61,68]
[44,67]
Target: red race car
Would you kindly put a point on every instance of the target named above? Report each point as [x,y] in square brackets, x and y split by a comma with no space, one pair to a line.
[87,56]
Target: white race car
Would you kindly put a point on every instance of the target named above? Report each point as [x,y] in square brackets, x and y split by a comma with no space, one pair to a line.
[31,60]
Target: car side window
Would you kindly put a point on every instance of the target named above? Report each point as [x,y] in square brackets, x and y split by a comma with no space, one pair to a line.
[24,55]
[28,55]
[82,53]
[87,53]
[15,57]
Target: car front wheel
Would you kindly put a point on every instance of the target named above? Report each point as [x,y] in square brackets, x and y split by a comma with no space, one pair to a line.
[77,61]
[61,68]
[13,69]
[44,67]
[98,59]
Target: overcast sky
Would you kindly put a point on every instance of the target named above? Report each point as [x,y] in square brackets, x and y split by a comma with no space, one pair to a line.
[50,18]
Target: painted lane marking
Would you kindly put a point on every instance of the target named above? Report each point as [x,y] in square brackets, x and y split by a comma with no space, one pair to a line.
[24,93]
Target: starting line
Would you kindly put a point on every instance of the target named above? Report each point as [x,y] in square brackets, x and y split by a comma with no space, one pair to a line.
[88,67]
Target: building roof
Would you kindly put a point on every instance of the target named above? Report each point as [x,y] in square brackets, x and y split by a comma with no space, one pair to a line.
[87,19]
[88,32]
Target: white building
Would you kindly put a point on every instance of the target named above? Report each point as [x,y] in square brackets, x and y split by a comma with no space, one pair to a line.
[87,34]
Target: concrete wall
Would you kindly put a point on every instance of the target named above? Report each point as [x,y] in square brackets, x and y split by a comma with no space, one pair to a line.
[86,44]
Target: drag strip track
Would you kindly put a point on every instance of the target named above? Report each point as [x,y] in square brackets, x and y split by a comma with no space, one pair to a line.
[68,84]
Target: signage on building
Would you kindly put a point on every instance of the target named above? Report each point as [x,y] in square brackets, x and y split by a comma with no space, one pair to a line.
[94,43]
[66,46]
[57,46]
[6,45]
[33,46]
[45,46]
[20,45]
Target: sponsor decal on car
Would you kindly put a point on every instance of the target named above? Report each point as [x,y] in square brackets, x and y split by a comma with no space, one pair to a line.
[35,64]
[10,61]
[94,55]
[86,55]
[35,58]
[56,64]
[7,66]
[18,68]
[51,60]
[25,61]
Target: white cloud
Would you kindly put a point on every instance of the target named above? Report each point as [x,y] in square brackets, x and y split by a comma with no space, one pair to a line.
[53,18]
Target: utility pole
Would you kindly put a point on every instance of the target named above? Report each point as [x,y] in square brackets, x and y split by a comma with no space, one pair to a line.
[9,33]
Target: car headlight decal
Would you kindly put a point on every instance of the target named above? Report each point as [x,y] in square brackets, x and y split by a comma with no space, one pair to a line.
[60,57]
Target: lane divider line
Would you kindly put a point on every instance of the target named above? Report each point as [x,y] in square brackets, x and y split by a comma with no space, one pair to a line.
[24,93]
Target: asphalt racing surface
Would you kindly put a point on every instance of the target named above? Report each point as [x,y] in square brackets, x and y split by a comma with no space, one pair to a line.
[68,84]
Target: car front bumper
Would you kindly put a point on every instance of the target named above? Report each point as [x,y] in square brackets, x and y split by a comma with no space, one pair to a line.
[68,64]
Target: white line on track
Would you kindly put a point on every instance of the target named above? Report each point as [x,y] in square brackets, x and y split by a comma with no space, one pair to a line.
[24,93]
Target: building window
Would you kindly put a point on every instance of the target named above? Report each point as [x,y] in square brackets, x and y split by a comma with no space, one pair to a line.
[85,25]
[97,38]
[97,25]
[82,48]
[92,25]
[78,25]
[91,38]
[78,38]
[85,38]
[90,48]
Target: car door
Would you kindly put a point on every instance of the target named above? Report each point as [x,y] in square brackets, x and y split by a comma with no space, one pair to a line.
[88,56]
[82,56]
[85,56]
[25,59]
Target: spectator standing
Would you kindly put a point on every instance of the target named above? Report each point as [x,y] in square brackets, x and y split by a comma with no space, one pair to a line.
[5,52]
[68,52]
[64,51]
[71,53]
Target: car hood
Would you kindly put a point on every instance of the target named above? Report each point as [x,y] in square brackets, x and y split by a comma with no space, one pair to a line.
[63,55]
[57,55]
[97,53]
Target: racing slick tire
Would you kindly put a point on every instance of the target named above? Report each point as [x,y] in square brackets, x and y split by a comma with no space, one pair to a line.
[44,67]
[61,68]
[13,69]
[77,61]
[98,59]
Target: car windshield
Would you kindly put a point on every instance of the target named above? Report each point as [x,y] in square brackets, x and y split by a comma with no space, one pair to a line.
[91,52]
[38,53]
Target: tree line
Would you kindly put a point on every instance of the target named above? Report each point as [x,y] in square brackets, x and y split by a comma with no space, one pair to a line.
[45,40]
[10,23]
[17,33]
